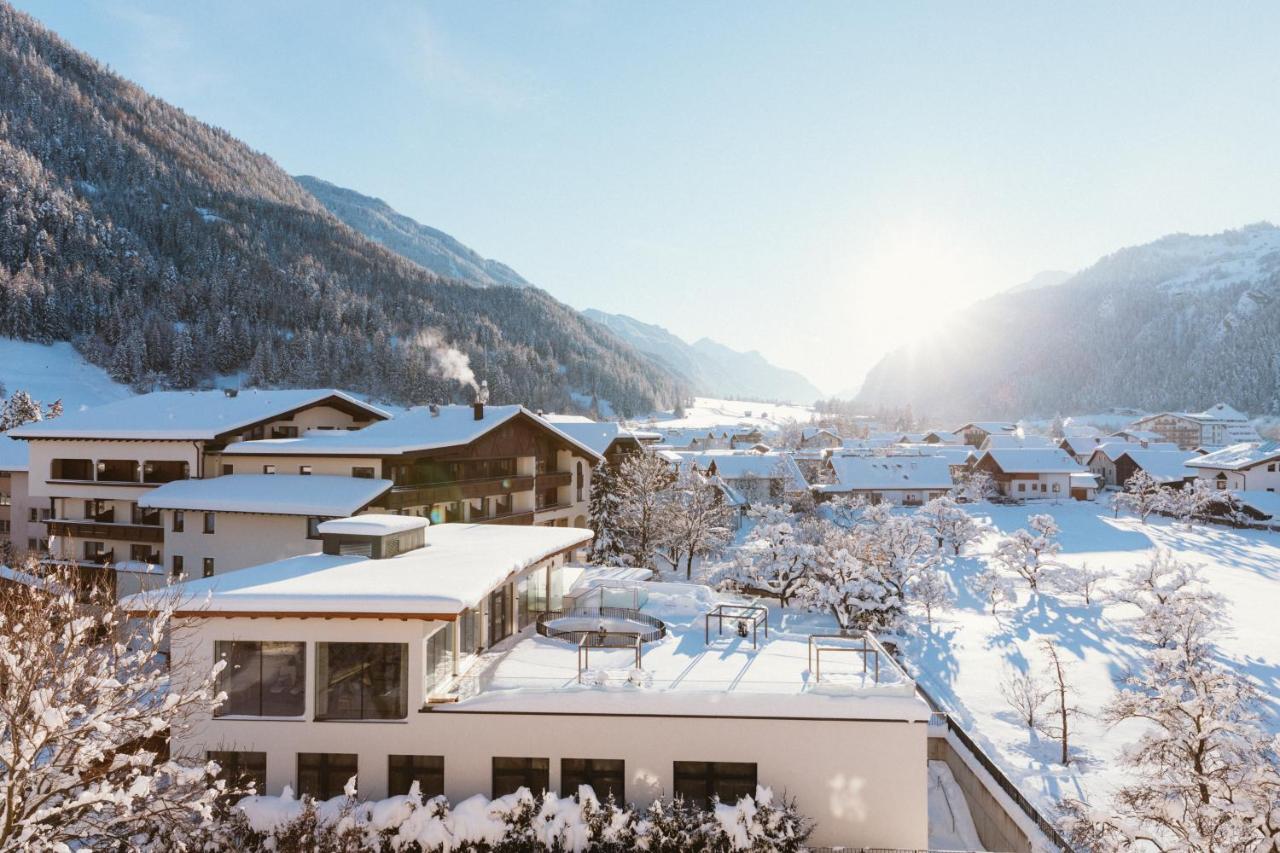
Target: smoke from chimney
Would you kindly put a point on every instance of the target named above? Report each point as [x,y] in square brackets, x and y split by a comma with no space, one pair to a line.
[446,362]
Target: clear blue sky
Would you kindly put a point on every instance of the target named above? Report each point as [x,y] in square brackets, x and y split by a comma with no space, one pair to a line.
[819,181]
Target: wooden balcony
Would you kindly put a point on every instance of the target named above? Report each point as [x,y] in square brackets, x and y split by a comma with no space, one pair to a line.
[436,493]
[89,530]
[552,479]
[525,517]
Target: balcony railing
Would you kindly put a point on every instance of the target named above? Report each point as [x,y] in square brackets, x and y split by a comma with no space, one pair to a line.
[425,494]
[94,530]
[522,517]
[553,479]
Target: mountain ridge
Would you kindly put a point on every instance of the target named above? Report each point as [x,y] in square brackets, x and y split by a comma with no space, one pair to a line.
[1177,323]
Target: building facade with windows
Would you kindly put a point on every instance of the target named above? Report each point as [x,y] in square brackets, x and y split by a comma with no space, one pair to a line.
[1030,473]
[22,527]
[406,653]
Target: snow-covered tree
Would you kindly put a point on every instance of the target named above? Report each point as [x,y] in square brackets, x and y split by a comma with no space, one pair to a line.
[85,703]
[846,586]
[21,408]
[1142,496]
[1206,776]
[1026,552]
[975,486]
[1199,500]
[1026,695]
[931,591]
[994,587]
[950,524]
[642,484]
[775,558]
[1080,580]
[698,521]
[606,547]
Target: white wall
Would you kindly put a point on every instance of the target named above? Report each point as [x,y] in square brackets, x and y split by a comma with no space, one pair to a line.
[1034,490]
[864,782]
[239,540]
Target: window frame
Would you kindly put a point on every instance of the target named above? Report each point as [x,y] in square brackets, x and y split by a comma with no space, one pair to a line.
[226,650]
[228,764]
[430,778]
[367,690]
[575,772]
[712,775]
[530,769]
[325,767]
[210,523]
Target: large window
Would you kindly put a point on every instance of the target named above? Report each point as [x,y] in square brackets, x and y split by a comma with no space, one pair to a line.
[426,770]
[71,469]
[209,522]
[179,520]
[362,681]
[699,781]
[439,658]
[511,774]
[324,775]
[605,776]
[261,679]
[499,619]
[241,769]
[468,635]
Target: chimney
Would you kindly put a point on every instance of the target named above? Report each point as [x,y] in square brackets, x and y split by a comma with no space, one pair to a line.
[230,392]
[482,397]
[435,410]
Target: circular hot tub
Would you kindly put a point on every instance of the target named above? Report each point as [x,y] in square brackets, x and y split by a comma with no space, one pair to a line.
[604,626]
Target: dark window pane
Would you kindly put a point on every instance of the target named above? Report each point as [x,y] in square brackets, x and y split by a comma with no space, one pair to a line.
[426,770]
[261,679]
[242,769]
[362,681]
[699,781]
[324,775]
[605,776]
[511,774]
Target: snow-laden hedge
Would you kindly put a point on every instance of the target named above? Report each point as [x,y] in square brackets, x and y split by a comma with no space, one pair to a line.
[515,823]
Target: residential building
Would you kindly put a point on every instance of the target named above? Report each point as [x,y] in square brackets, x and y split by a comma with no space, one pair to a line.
[1030,473]
[369,667]
[1079,447]
[1004,440]
[940,436]
[609,439]
[1105,460]
[1217,426]
[906,479]
[1252,466]
[90,469]
[976,432]
[1166,467]
[756,477]
[22,523]
[819,438]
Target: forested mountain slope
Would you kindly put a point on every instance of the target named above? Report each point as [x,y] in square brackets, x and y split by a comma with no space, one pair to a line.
[422,244]
[1182,323]
[711,368]
[168,251]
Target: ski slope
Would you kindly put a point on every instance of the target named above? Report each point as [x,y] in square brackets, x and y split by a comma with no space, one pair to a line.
[51,372]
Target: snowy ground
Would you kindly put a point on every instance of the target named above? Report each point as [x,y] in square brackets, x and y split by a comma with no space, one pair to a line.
[710,412]
[55,371]
[962,658]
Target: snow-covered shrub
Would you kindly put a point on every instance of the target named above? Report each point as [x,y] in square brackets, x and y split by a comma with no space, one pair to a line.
[515,823]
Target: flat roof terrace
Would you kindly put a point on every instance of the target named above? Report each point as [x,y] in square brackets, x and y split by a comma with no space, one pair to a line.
[684,674]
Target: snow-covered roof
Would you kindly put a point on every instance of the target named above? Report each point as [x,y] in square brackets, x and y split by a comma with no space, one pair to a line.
[596,435]
[1164,466]
[1070,430]
[420,428]
[1033,460]
[1113,450]
[373,525]
[813,432]
[1238,456]
[884,473]
[1001,441]
[185,415]
[955,454]
[1082,443]
[1137,435]
[992,427]
[1267,503]
[871,442]
[457,568]
[942,436]
[272,494]
[736,465]
[13,453]
[1083,480]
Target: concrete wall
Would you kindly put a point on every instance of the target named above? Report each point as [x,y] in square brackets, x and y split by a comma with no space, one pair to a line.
[864,782]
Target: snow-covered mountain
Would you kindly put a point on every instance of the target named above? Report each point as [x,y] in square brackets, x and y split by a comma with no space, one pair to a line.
[1178,323]
[422,244]
[711,368]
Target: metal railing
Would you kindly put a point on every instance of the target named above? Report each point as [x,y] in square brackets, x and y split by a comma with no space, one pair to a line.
[744,614]
[868,646]
[657,628]
[606,640]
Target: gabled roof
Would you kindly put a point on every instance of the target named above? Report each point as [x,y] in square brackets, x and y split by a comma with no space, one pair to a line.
[887,473]
[599,436]
[1137,435]
[458,566]
[1113,450]
[1032,460]
[942,436]
[1006,440]
[992,427]
[270,494]
[1082,443]
[1163,466]
[1238,456]
[420,428]
[734,465]
[188,415]
[955,454]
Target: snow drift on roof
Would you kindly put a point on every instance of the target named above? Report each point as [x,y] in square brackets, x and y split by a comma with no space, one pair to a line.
[271,494]
[885,473]
[1164,466]
[458,567]
[1033,460]
[374,524]
[183,415]
[1237,456]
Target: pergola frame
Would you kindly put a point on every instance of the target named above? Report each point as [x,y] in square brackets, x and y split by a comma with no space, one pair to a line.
[754,613]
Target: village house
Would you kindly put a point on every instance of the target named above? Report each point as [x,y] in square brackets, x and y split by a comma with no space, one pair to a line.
[1104,461]
[1252,466]
[1080,448]
[1005,441]
[89,470]
[975,433]
[819,438]
[1217,426]
[609,439]
[756,477]
[1167,467]
[1035,473]
[370,666]
[939,436]
[906,479]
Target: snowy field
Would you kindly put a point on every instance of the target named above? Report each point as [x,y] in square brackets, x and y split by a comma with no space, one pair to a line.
[962,659]
[710,412]
[50,372]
